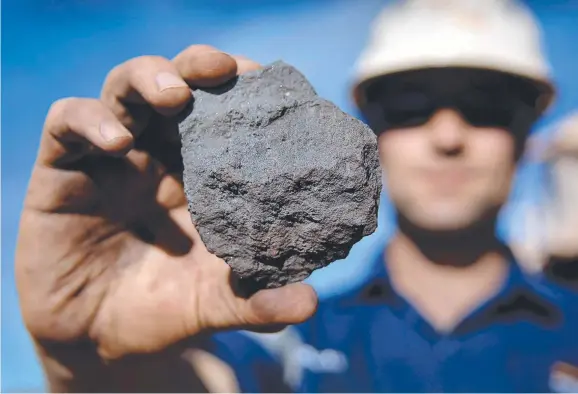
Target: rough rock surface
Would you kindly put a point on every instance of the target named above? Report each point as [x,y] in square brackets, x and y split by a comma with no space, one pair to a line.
[279,181]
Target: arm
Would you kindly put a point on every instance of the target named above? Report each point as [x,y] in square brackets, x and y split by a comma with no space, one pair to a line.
[228,362]
[78,368]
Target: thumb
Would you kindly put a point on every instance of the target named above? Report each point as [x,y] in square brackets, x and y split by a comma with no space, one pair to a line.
[222,306]
[290,304]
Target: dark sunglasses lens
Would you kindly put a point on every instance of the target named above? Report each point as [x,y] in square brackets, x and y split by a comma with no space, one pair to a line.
[407,109]
[489,100]
[484,109]
[488,116]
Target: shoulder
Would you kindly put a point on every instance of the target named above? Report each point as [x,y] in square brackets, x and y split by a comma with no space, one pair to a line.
[564,323]
[563,297]
[566,336]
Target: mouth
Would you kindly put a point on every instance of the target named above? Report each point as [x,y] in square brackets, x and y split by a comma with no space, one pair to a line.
[448,178]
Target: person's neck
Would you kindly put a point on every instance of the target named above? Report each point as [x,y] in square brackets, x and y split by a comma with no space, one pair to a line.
[446,275]
[461,248]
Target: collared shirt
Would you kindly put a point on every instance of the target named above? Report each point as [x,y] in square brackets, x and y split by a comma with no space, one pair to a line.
[257,369]
[370,339]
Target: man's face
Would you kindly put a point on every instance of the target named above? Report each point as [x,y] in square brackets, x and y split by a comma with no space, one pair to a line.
[448,151]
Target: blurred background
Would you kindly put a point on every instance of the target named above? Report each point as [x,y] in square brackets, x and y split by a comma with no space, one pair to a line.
[57,48]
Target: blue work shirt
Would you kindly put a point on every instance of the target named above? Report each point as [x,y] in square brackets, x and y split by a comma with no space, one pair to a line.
[370,339]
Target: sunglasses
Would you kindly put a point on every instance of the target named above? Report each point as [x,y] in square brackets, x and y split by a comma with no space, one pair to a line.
[500,101]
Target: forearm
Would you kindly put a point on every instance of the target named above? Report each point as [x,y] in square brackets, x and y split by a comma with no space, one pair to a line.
[77,368]
[73,368]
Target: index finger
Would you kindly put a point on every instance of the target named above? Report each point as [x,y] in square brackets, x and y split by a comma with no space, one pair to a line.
[141,86]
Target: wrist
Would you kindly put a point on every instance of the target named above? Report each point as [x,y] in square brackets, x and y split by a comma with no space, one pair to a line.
[73,367]
[77,367]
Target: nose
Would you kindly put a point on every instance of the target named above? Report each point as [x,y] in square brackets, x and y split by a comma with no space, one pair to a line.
[447,130]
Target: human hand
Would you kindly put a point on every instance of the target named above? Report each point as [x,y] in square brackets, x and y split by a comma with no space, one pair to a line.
[107,254]
[550,227]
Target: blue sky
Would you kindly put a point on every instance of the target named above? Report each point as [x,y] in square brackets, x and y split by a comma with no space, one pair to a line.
[57,48]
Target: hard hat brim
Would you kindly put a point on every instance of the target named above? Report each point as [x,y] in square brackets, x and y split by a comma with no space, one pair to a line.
[545,86]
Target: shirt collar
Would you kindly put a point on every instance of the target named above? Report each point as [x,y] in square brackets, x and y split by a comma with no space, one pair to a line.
[521,295]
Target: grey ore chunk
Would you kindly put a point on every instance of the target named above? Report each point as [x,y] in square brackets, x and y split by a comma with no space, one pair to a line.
[279,181]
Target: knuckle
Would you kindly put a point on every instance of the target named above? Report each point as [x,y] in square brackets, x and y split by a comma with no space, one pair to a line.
[143,71]
[73,112]
[59,106]
[60,110]
[114,74]
[136,81]
[132,71]
[147,62]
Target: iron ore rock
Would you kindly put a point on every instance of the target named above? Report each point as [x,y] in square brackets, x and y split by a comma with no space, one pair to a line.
[279,181]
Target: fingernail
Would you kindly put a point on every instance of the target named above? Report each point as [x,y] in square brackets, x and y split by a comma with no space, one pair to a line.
[166,80]
[109,131]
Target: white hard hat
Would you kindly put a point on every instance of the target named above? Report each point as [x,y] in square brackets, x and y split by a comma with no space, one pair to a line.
[499,35]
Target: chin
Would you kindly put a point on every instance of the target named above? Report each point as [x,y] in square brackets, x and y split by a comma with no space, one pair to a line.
[440,220]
